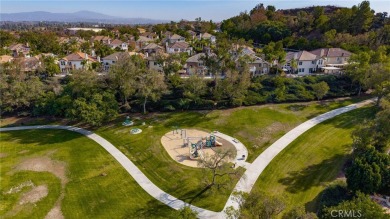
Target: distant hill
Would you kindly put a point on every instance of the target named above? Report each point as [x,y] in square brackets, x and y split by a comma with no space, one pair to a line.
[80,16]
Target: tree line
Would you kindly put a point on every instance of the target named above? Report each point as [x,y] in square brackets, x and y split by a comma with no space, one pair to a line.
[353,29]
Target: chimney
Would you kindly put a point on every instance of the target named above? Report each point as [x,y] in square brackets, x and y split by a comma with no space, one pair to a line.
[146,54]
[86,56]
[166,46]
[98,58]
[93,53]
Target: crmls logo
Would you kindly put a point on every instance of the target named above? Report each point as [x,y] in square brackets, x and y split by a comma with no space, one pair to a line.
[346,213]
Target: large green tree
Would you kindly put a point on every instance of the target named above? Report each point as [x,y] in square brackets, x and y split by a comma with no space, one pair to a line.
[150,86]
[359,207]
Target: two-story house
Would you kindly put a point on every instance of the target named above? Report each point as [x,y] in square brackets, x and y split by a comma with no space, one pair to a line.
[118,44]
[333,56]
[112,59]
[151,49]
[178,47]
[74,61]
[306,63]
[195,64]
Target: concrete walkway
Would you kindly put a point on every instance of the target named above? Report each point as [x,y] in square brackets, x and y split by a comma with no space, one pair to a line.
[246,182]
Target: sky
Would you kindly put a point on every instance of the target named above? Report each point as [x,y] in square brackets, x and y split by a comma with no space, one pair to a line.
[216,10]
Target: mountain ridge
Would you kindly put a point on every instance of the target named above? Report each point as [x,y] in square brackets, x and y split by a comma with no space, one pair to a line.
[78,16]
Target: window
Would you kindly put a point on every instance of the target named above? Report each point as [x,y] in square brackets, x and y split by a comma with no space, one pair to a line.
[62,62]
[313,62]
[301,70]
[113,62]
[338,58]
[300,63]
[260,65]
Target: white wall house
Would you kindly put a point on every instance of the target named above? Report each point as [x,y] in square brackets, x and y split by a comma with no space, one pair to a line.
[208,36]
[75,61]
[178,47]
[118,44]
[307,62]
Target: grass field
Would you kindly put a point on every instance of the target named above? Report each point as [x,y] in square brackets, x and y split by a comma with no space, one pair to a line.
[94,184]
[257,127]
[311,162]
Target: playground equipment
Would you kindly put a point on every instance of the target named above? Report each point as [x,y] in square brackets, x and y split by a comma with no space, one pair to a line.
[196,150]
[212,142]
[127,122]
[135,131]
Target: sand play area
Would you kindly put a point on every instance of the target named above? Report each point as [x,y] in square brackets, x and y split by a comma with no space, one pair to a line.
[173,142]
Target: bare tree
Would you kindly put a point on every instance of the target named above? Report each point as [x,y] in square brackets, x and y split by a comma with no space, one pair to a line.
[218,169]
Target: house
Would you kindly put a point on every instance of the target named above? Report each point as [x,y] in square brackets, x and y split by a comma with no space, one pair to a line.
[6,59]
[152,49]
[208,36]
[241,50]
[306,62]
[74,61]
[113,58]
[153,63]
[192,34]
[20,50]
[175,38]
[178,47]
[143,41]
[150,35]
[335,57]
[118,44]
[257,66]
[101,39]
[195,64]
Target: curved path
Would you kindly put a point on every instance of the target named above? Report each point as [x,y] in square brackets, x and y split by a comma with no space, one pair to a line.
[246,182]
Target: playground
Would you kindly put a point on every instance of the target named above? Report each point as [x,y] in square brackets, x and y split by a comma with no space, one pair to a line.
[186,146]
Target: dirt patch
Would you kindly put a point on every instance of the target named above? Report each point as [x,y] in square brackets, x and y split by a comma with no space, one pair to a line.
[2,155]
[34,195]
[55,212]
[45,164]
[23,152]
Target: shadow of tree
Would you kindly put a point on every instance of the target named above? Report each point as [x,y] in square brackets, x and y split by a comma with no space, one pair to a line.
[41,136]
[153,209]
[314,175]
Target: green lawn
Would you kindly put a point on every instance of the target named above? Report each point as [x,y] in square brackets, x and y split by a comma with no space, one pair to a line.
[257,127]
[311,162]
[97,187]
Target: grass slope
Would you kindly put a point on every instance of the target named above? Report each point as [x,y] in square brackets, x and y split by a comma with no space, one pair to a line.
[308,164]
[88,194]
